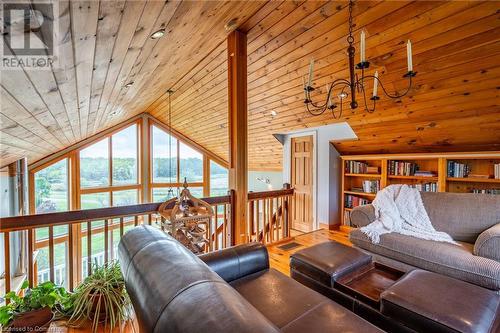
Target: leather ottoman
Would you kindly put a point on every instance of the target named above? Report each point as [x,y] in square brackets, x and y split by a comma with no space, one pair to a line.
[429,302]
[327,262]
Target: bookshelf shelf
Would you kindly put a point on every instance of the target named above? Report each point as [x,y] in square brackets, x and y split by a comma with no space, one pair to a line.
[372,195]
[473,180]
[480,163]
[431,179]
[365,175]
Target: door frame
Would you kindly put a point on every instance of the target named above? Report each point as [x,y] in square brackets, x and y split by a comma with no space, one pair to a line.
[287,167]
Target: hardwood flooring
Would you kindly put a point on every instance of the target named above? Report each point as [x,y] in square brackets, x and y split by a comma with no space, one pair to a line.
[280,259]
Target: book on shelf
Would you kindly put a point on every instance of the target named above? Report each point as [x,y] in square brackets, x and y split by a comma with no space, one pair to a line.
[487,191]
[368,186]
[371,186]
[352,201]
[497,170]
[347,218]
[425,187]
[458,170]
[360,168]
[401,168]
[425,173]
[478,176]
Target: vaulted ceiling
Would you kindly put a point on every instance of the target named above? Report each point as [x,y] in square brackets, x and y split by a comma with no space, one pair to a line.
[454,104]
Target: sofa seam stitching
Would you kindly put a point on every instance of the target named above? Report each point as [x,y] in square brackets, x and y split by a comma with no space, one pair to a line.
[180,292]
[304,314]
[433,262]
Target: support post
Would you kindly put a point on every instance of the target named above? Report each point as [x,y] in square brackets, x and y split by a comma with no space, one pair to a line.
[237,96]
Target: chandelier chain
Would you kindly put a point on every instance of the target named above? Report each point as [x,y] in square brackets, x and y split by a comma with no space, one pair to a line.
[350,38]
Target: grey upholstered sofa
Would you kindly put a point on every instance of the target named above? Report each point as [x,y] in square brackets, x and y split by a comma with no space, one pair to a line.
[473,220]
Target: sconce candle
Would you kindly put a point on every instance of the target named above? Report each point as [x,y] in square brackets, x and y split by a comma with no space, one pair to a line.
[362,47]
[311,67]
[409,56]
[375,84]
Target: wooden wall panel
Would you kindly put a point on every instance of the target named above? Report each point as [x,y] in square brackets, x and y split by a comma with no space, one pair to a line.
[452,107]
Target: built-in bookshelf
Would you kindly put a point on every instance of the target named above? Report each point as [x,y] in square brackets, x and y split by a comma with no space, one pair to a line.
[364,175]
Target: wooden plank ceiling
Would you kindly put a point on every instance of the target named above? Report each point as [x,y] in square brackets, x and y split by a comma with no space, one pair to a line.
[454,105]
[103,46]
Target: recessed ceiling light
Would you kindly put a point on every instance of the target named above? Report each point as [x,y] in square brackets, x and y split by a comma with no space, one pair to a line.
[158,34]
[273,113]
[112,114]
[128,85]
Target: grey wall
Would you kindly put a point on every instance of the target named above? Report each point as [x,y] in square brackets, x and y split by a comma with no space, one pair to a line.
[276,178]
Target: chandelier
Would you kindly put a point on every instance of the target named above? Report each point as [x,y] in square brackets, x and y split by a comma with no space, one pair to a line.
[355,84]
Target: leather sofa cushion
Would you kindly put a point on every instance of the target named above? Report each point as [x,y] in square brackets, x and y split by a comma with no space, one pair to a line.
[430,302]
[456,261]
[293,307]
[168,284]
[327,262]
[237,261]
[488,243]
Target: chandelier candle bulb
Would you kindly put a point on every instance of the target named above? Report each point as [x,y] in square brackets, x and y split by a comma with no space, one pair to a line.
[408,54]
[311,67]
[375,84]
[362,47]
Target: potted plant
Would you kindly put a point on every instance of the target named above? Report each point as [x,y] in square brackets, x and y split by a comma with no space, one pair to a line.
[35,310]
[101,298]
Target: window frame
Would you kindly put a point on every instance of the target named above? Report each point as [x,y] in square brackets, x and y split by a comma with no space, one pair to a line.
[204,184]
[144,185]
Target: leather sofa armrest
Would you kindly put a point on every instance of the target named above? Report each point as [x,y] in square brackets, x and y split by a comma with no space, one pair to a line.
[488,243]
[362,216]
[238,261]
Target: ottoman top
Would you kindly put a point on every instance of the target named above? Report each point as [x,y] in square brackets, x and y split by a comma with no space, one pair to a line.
[332,258]
[459,305]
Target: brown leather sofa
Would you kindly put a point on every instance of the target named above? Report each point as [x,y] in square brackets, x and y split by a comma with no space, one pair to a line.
[232,290]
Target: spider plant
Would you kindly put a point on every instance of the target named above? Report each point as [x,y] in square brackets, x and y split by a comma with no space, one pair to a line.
[101,298]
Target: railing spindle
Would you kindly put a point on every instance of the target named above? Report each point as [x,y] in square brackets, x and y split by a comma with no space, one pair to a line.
[224,230]
[121,227]
[282,218]
[89,247]
[136,221]
[6,246]
[216,234]
[271,218]
[258,237]
[31,273]
[70,257]
[51,254]
[106,240]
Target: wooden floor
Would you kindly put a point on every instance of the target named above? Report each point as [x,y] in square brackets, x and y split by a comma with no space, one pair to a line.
[279,259]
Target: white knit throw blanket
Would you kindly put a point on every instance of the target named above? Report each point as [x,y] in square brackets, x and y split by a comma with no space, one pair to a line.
[399,208]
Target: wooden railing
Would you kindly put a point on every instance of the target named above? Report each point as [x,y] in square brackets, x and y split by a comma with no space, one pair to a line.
[269,215]
[92,235]
[83,228]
